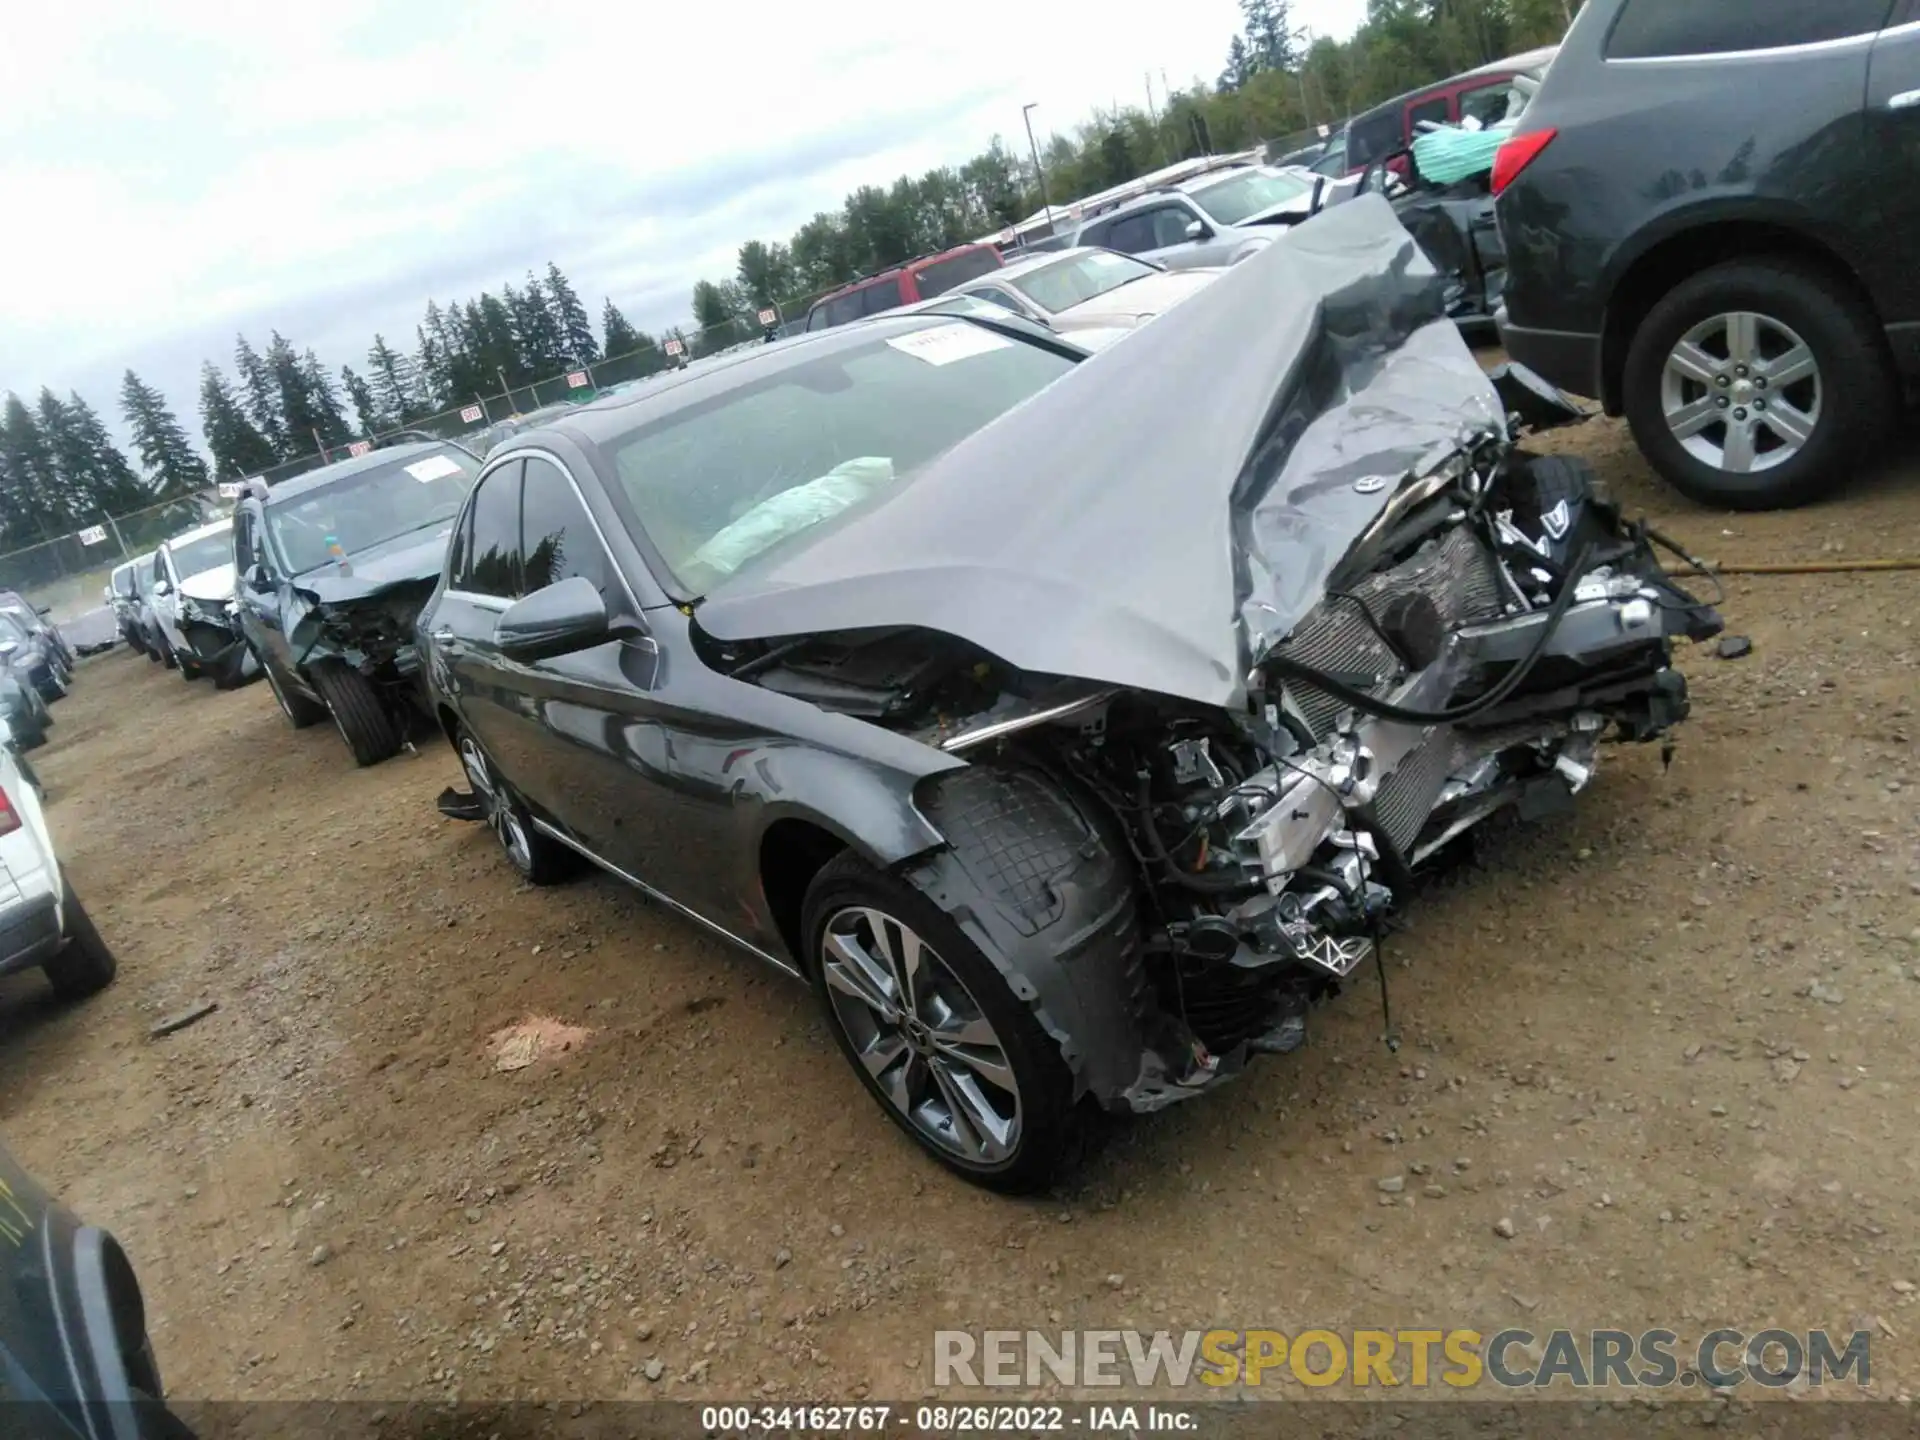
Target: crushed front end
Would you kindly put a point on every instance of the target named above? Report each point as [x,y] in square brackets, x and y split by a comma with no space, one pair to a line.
[1491,634]
[371,633]
[211,628]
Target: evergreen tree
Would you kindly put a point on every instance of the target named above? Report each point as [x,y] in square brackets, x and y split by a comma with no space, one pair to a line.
[432,385]
[570,316]
[117,489]
[173,466]
[323,401]
[31,500]
[236,443]
[365,408]
[393,382]
[1270,41]
[1239,65]
[94,478]
[260,395]
[538,341]
[622,338]
[494,348]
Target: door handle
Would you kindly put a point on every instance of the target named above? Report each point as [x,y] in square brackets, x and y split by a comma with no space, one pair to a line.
[443,635]
[1905,100]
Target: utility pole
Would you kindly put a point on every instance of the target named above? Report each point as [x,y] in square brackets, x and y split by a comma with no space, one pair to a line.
[1039,175]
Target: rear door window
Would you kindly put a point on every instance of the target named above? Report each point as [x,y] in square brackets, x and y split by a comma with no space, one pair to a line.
[491,565]
[939,276]
[1436,107]
[1373,136]
[1130,234]
[1487,103]
[881,295]
[1649,29]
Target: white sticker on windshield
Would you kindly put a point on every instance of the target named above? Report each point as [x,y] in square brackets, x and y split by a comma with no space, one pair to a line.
[944,344]
[433,468]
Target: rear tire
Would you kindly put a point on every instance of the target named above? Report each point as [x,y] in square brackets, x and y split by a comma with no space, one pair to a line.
[960,991]
[358,713]
[539,859]
[1841,405]
[300,711]
[85,966]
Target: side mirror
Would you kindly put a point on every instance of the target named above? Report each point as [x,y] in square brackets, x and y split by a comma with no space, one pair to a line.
[1197,230]
[8,647]
[557,620]
[162,587]
[258,579]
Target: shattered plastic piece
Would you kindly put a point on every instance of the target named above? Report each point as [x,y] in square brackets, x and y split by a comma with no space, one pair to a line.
[461,805]
[1734,647]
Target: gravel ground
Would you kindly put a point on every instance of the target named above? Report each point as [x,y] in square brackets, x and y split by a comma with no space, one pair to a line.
[1657,1068]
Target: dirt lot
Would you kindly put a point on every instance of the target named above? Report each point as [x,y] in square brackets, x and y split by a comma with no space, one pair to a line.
[330,1190]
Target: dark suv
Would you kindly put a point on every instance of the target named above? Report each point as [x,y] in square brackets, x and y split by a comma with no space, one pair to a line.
[1711,225]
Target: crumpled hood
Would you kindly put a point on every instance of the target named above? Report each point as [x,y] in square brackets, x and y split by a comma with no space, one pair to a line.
[414,556]
[1171,509]
[214,586]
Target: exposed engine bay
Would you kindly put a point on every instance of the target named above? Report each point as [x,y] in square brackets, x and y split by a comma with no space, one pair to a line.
[372,633]
[1494,626]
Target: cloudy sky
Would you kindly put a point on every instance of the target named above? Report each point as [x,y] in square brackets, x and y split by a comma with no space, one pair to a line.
[175,173]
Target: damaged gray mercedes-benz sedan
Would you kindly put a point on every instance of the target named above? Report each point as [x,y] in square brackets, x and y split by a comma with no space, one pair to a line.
[1070,724]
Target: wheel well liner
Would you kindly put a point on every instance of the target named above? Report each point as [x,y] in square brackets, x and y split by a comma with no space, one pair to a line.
[1686,253]
[792,852]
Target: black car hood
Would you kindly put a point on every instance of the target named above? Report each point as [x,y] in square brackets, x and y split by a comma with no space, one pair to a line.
[1166,513]
[412,557]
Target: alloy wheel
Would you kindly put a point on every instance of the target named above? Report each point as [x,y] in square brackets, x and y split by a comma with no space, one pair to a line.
[502,816]
[1742,392]
[920,1034]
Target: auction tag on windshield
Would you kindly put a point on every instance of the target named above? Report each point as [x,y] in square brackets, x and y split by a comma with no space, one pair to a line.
[432,468]
[944,344]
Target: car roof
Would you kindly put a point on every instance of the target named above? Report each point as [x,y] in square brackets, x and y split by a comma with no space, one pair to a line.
[352,465]
[613,416]
[1523,63]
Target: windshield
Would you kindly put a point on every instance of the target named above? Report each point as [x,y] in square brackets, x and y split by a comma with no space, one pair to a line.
[209,552]
[717,485]
[11,628]
[1232,200]
[1079,278]
[369,508]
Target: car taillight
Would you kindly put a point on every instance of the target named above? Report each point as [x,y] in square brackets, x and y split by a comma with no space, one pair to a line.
[1516,154]
[9,817]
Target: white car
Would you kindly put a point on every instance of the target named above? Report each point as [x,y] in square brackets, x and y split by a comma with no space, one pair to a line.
[42,924]
[193,580]
[1091,296]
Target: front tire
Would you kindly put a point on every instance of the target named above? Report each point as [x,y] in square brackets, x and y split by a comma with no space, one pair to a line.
[358,712]
[85,966]
[953,1057]
[1757,385]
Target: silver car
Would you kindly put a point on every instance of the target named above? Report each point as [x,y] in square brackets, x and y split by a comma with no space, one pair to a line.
[1091,296]
[1213,219]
